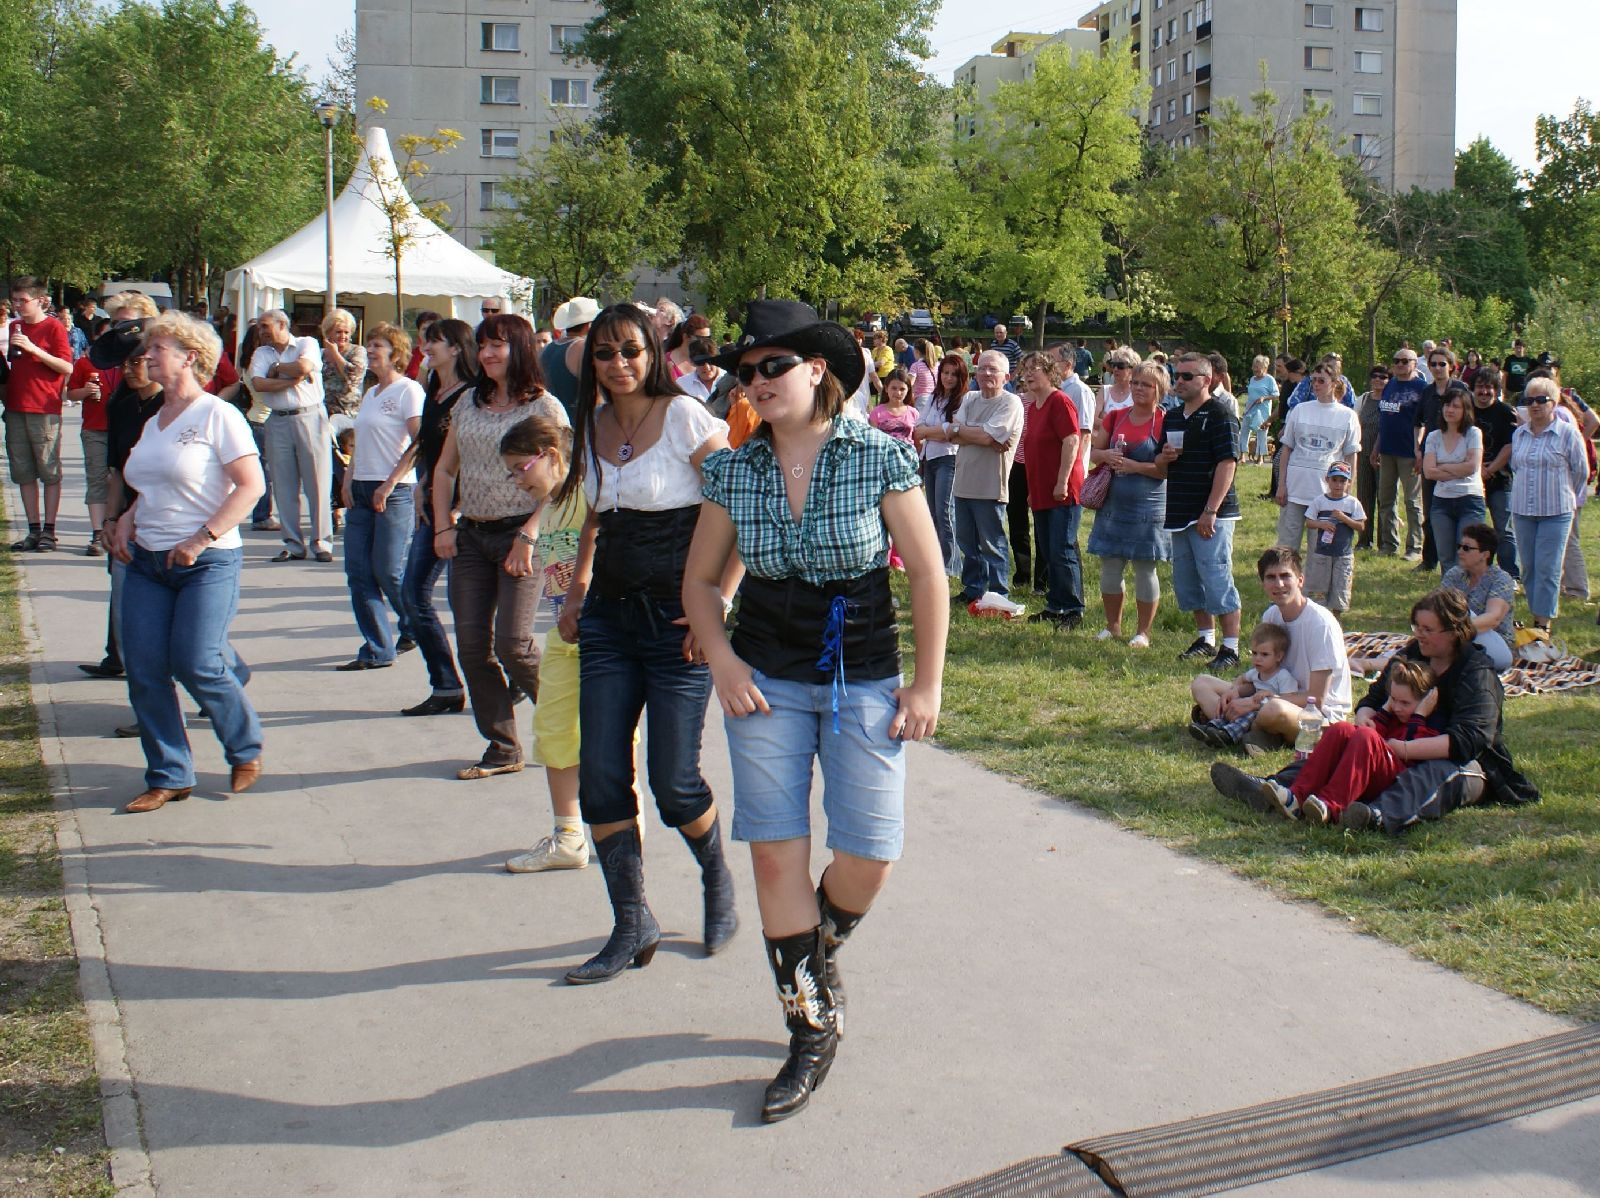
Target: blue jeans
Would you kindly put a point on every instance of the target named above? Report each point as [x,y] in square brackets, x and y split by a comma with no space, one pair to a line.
[1448,516]
[374,562]
[1499,504]
[938,476]
[1202,570]
[263,509]
[1542,544]
[981,537]
[630,660]
[1057,530]
[175,630]
[1254,425]
[863,767]
[423,569]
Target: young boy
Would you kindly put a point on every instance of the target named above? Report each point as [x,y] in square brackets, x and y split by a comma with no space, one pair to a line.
[1335,520]
[1269,643]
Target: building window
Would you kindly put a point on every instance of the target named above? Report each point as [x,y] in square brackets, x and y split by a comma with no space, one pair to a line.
[1155,76]
[1319,16]
[1202,12]
[501,36]
[1369,20]
[1188,20]
[498,143]
[1172,30]
[499,89]
[1155,115]
[1188,141]
[1188,103]
[491,198]
[565,37]
[1368,145]
[1172,110]
[1172,70]
[569,93]
[1155,38]
[1159,3]
[1369,62]
[1319,58]
[1313,96]
[1367,104]
[486,241]
[1188,62]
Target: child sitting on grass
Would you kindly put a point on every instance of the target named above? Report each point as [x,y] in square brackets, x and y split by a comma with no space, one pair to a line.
[1269,643]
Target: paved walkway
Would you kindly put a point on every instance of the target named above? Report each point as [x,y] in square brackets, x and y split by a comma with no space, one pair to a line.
[329,986]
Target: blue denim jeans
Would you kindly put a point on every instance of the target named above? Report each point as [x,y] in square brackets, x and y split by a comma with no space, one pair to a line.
[263,510]
[630,660]
[1448,516]
[175,630]
[423,569]
[1057,530]
[938,476]
[985,556]
[1542,544]
[1202,570]
[1499,505]
[374,563]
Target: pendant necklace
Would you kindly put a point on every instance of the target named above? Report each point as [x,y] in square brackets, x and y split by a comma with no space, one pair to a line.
[625,450]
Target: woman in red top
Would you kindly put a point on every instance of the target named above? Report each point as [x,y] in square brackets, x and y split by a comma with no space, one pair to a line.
[1055,476]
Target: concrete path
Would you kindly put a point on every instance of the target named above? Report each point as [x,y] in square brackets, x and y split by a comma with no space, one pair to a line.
[328,986]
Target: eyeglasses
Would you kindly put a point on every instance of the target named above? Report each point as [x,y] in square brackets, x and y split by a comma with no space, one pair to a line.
[1189,375]
[767,368]
[1532,399]
[629,351]
[1399,361]
[1418,630]
[517,472]
[490,311]
[1439,365]
[1468,547]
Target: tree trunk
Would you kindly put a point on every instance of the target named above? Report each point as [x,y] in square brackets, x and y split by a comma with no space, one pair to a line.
[1038,332]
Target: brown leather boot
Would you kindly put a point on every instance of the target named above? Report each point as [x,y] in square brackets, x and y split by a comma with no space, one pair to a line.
[158,796]
[245,775]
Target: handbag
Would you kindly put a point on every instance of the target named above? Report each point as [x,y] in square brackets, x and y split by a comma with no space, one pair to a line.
[1096,488]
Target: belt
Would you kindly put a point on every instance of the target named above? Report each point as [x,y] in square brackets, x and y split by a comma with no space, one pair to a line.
[315,407]
[504,524]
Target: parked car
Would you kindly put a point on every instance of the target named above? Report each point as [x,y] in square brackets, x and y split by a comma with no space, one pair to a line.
[918,322]
[1019,320]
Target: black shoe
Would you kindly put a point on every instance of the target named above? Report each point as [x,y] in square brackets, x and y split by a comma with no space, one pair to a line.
[324,555]
[799,965]
[1069,622]
[104,668]
[283,555]
[361,664]
[1225,659]
[721,922]
[1200,648]
[126,731]
[1358,817]
[437,705]
[404,645]
[837,924]
[518,695]
[1046,617]
[1232,782]
[635,933]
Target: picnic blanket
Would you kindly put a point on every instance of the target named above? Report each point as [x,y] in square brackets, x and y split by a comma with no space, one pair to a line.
[1523,678]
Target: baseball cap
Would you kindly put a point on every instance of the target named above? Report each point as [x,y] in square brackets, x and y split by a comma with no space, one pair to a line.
[1339,470]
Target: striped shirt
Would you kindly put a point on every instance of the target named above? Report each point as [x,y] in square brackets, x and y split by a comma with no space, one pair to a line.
[1549,470]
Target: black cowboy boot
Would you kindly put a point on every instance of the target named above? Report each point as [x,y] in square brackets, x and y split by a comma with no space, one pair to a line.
[720,920]
[801,973]
[837,924]
[636,934]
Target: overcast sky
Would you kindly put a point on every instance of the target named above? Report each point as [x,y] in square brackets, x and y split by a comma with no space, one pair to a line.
[1526,58]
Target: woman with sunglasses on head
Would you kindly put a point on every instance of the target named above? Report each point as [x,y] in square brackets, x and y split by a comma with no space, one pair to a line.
[487,528]
[638,443]
[1549,473]
[813,669]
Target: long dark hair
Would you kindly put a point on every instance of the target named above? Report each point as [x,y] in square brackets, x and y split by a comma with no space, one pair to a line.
[524,379]
[952,401]
[459,334]
[616,323]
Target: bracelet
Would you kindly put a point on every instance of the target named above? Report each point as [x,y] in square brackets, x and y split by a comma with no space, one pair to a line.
[1209,511]
[210,536]
[526,539]
[727,607]
[442,531]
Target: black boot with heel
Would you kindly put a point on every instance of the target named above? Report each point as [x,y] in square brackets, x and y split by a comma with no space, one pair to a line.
[636,934]
[721,921]
[801,972]
[837,924]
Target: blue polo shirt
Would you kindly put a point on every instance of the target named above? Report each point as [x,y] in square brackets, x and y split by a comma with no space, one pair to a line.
[1399,414]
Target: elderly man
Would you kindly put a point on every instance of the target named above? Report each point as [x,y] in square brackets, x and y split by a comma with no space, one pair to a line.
[286,372]
[1395,456]
[1003,344]
[1199,460]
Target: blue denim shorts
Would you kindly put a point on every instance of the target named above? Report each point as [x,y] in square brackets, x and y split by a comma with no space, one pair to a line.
[863,767]
[1202,570]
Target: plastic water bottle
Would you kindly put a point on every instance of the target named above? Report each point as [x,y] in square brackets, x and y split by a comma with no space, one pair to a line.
[1310,731]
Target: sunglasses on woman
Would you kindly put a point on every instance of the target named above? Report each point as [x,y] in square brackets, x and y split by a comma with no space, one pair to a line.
[768,368]
[629,351]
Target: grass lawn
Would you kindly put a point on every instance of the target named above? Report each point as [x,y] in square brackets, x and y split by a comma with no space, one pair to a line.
[51,1141]
[1508,896]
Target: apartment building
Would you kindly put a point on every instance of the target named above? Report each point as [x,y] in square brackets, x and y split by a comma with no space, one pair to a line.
[1010,60]
[1385,68]
[498,71]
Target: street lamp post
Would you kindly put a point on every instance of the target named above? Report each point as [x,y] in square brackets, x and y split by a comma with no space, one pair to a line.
[328,113]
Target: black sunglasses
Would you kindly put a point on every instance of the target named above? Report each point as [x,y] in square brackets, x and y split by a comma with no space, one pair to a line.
[1467,547]
[490,311]
[768,368]
[1527,399]
[1188,375]
[629,351]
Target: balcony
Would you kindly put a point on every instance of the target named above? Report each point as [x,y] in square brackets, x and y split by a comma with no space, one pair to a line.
[1202,31]
[1200,114]
[1105,33]
[1202,73]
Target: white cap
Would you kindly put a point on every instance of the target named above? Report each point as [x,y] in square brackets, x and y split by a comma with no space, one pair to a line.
[580,309]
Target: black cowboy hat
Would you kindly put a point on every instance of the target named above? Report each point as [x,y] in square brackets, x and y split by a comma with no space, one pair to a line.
[789,324]
[116,345]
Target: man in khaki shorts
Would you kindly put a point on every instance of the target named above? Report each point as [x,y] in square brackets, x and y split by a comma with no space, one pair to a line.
[40,358]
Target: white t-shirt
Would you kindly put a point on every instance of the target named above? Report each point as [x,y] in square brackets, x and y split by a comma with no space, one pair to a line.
[661,478]
[178,472]
[1082,397]
[381,433]
[1466,444]
[692,385]
[306,393]
[1316,642]
[1317,434]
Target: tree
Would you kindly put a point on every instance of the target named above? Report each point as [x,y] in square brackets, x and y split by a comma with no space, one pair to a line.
[1041,179]
[1487,176]
[394,183]
[1566,320]
[583,217]
[1564,196]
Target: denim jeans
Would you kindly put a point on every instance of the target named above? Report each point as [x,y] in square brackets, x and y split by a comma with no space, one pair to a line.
[175,630]
[630,660]
[1499,504]
[981,536]
[1448,516]
[494,615]
[374,563]
[423,568]
[1541,544]
[263,510]
[1058,532]
[938,476]
[1202,570]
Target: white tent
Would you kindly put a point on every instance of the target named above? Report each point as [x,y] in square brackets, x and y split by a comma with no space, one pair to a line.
[437,271]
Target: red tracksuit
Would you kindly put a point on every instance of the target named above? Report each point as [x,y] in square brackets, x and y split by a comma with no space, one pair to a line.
[1354,764]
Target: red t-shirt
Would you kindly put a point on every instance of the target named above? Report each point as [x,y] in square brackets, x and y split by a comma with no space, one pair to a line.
[94,410]
[1047,426]
[34,387]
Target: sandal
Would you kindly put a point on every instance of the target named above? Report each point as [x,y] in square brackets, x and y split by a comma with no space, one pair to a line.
[28,543]
[47,543]
[488,769]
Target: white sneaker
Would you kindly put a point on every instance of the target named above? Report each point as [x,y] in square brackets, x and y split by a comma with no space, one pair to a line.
[1140,641]
[551,853]
[1105,634]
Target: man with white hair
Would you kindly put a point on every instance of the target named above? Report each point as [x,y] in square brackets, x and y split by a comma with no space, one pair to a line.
[286,372]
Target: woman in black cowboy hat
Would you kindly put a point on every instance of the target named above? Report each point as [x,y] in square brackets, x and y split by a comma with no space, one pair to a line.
[810,502]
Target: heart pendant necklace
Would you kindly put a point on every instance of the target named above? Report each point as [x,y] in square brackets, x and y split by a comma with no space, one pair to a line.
[625,450]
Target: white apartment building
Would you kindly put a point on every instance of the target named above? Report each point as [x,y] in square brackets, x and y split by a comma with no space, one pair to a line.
[495,70]
[1010,60]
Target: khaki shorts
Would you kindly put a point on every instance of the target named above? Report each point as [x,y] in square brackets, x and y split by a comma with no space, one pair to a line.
[33,448]
[94,463]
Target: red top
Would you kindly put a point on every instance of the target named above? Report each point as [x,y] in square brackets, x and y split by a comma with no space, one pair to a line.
[35,388]
[415,365]
[226,376]
[94,410]
[1046,427]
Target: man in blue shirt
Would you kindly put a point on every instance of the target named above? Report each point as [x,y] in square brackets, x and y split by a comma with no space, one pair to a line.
[1395,456]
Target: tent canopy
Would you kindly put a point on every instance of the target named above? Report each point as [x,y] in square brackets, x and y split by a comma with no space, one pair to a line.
[434,265]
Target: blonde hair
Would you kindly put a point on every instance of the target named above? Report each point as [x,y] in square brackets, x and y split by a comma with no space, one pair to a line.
[1153,371]
[338,319]
[196,336]
[395,338]
[143,307]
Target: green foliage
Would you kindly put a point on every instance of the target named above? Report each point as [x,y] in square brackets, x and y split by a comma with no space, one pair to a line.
[1564,196]
[1487,176]
[1566,318]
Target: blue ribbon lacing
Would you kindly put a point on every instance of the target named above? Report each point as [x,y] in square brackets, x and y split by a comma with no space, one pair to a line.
[832,658]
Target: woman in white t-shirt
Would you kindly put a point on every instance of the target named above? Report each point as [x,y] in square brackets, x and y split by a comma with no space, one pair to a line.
[197,474]
[1452,459]
[381,510]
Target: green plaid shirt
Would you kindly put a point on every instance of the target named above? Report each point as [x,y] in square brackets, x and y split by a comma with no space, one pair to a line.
[840,533]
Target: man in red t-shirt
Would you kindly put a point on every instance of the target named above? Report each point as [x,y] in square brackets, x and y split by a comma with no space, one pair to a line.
[93,389]
[40,357]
